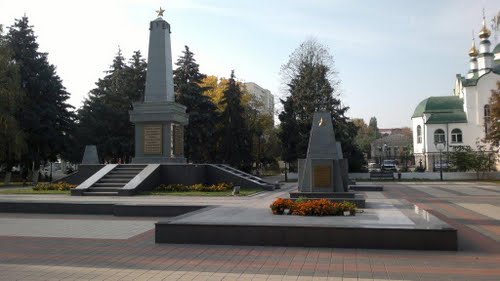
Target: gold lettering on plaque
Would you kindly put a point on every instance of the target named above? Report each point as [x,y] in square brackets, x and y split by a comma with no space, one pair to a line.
[153,139]
[178,140]
[322,176]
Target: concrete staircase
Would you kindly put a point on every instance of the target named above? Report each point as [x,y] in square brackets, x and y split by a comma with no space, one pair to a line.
[112,182]
[246,176]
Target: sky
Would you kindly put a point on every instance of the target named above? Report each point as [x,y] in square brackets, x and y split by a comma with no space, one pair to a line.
[389,55]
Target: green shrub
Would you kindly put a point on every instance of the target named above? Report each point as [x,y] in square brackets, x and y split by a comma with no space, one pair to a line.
[195,187]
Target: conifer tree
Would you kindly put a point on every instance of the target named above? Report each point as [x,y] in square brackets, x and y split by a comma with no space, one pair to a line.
[104,116]
[12,141]
[199,136]
[311,80]
[45,117]
[235,137]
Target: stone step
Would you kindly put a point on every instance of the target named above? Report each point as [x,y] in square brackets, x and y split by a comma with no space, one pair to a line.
[109,193]
[115,171]
[128,169]
[104,189]
[108,184]
[113,179]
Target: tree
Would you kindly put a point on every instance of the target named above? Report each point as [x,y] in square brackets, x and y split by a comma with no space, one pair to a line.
[12,140]
[493,134]
[235,148]
[312,84]
[373,128]
[45,117]
[464,158]
[199,138]
[104,116]
[495,25]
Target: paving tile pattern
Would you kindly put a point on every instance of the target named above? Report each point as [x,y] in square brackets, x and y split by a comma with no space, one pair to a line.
[139,258]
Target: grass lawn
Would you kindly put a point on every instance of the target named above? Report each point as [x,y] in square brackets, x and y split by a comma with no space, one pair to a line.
[31,191]
[243,192]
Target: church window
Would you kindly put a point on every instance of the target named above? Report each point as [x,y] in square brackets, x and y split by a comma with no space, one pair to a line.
[439,136]
[419,134]
[486,118]
[456,136]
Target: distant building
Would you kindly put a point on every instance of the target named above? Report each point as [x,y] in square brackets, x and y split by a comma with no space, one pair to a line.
[390,131]
[463,118]
[262,95]
[392,146]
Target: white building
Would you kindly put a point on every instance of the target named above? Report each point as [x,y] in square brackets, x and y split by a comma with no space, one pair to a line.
[462,118]
[262,95]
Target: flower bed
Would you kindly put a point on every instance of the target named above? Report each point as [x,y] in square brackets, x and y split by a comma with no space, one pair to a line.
[195,187]
[312,207]
[60,186]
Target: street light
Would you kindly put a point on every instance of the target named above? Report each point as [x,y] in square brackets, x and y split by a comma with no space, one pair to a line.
[440,146]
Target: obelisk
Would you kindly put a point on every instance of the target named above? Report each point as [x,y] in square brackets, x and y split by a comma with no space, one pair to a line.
[159,120]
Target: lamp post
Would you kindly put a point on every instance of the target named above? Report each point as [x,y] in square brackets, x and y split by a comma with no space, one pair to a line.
[440,146]
[384,154]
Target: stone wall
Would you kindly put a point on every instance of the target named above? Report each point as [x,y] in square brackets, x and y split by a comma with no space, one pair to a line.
[434,176]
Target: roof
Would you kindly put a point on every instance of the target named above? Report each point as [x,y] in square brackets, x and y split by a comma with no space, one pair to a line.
[449,109]
[496,49]
[442,118]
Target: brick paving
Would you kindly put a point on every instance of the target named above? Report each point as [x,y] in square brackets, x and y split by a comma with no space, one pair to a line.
[139,258]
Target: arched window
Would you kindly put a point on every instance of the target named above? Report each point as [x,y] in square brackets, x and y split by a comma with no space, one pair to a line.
[486,118]
[419,134]
[439,136]
[456,136]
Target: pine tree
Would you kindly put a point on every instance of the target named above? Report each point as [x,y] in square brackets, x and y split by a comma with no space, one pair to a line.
[288,131]
[12,141]
[45,117]
[104,116]
[311,80]
[235,138]
[199,137]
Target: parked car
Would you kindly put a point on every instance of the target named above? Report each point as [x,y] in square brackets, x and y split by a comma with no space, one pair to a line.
[389,165]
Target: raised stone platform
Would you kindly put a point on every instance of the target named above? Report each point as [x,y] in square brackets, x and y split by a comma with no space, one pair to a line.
[97,208]
[367,187]
[393,224]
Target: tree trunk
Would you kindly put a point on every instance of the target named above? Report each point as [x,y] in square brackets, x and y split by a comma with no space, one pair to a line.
[36,172]
[6,180]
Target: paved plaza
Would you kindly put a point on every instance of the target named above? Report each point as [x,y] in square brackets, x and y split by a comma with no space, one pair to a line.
[90,247]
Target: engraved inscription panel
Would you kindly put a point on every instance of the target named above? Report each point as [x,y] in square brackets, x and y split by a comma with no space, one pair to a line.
[322,176]
[178,140]
[153,139]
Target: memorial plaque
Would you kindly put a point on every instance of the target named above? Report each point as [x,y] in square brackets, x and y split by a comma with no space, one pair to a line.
[178,140]
[153,139]
[322,176]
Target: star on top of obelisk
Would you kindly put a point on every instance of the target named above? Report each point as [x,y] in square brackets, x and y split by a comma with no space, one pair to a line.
[160,12]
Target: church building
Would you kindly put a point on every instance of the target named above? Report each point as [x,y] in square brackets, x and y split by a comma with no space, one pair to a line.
[463,118]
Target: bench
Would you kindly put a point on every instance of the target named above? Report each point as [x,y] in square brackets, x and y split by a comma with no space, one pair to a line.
[384,175]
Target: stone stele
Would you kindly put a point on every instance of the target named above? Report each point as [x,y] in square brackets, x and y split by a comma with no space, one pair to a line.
[90,156]
[322,171]
[159,120]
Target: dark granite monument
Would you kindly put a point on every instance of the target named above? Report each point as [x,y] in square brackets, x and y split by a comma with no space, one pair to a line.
[159,120]
[323,170]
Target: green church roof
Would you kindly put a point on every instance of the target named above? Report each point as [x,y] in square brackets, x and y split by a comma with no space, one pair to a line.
[448,109]
[497,49]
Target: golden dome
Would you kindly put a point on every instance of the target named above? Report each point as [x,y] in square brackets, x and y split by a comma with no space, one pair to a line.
[484,32]
[473,50]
